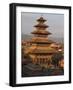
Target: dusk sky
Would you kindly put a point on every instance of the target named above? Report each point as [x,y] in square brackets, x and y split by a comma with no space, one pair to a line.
[54,21]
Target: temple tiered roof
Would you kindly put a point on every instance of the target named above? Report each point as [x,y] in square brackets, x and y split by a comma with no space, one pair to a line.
[40,40]
[41,19]
[43,32]
[41,25]
[41,50]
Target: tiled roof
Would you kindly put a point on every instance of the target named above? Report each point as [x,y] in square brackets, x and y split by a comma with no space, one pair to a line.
[43,50]
[41,25]
[41,32]
[40,40]
[41,19]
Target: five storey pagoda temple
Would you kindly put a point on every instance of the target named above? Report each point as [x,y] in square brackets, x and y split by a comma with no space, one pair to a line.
[40,51]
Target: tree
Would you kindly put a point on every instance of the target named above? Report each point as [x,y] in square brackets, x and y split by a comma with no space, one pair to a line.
[55,59]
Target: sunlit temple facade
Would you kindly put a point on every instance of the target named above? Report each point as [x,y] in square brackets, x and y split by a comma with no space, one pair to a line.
[40,50]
